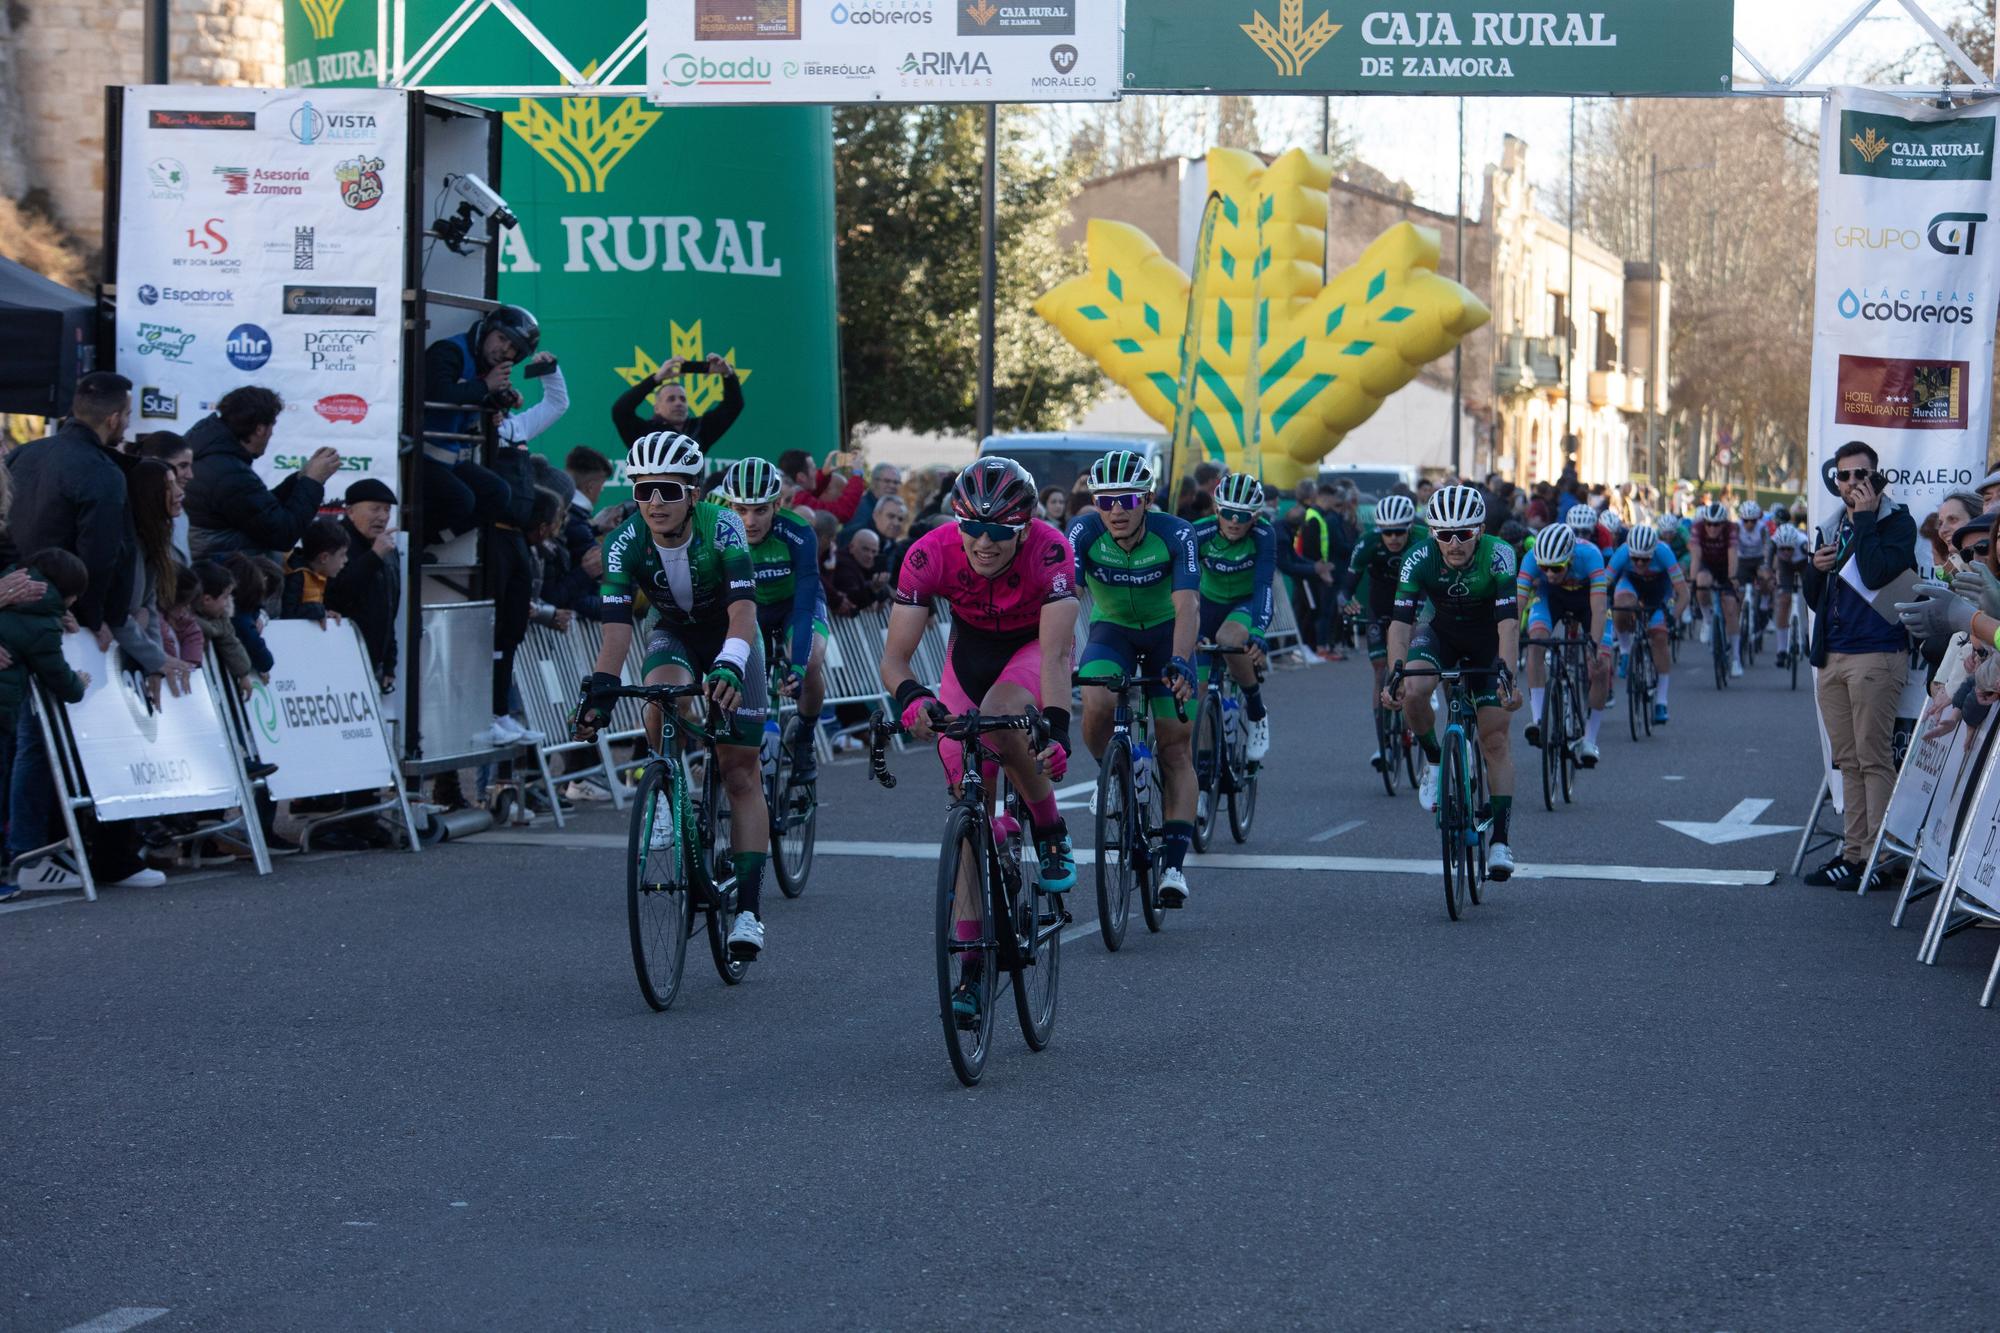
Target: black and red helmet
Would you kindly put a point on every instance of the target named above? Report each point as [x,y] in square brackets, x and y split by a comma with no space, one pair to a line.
[995,490]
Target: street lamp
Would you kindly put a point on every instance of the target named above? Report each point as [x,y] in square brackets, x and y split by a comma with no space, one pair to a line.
[1653,350]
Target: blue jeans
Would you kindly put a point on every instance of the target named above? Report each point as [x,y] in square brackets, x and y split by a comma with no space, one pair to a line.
[31,788]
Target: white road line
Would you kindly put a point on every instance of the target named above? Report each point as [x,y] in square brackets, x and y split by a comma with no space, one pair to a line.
[1360,865]
[47,900]
[1329,835]
[117,1321]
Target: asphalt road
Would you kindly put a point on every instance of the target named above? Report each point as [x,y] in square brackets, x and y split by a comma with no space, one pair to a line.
[394,1092]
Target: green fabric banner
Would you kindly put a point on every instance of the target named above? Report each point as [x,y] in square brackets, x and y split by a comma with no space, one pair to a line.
[645,233]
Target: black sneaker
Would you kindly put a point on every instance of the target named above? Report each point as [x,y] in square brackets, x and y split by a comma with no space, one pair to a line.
[1533,735]
[1839,873]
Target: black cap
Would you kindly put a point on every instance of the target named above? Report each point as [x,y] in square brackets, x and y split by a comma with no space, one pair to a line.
[368,488]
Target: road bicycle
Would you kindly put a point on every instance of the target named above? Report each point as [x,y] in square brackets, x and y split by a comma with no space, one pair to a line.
[678,871]
[794,805]
[1222,764]
[1561,723]
[1018,928]
[1795,643]
[1642,680]
[1395,748]
[1131,812]
[1719,638]
[1464,811]
[1750,624]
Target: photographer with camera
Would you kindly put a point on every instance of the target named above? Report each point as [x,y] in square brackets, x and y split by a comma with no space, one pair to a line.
[1863,657]
[670,406]
[473,370]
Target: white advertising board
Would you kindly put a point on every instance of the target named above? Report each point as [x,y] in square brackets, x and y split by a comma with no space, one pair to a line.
[707,52]
[139,762]
[260,241]
[319,719]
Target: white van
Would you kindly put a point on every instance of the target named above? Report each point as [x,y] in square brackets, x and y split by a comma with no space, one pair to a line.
[1373,480]
[1058,458]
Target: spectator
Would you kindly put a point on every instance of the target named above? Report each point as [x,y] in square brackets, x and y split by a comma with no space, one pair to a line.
[1989,492]
[1196,497]
[31,642]
[517,428]
[68,492]
[670,405]
[1055,505]
[1957,509]
[1862,657]
[173,450]
[213,607]
[1324,543]
[368,589]
[856,585]
[884,480]
[588,472]
[156,501]
[474,371]
[1304,573]
[182,632]
[544,520]
[248,618]
[833,489]
[827,529]
[228,505]
[322,554]
[891,523]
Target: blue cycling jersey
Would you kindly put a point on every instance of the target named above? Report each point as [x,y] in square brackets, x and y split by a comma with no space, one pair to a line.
[1654,584]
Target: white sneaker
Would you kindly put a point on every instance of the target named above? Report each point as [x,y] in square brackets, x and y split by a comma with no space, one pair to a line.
[1173,889]
[1260,738]
[746,938]
[1701,630]
[143,878]
[1499,862]
[587,790]
[1736,668]
[1587,754]
[504,731]
[660,834]
[1427,783]
[529,736]
[48,874]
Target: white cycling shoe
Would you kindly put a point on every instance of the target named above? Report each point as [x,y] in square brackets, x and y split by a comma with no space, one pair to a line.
[1427,783]
[1173,889]
[746,938]
[1260,739]
[1587,754]
[1736,668]
[1499,862]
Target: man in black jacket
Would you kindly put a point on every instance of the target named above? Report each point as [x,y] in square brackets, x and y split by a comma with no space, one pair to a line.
[1863,657]
[368,588]
[670,408]
[229,507]
[69,492]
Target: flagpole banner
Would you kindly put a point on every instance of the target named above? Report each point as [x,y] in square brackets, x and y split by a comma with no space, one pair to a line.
[141,762]
[1904,310]
[318,720]
[260,241]
[832,51]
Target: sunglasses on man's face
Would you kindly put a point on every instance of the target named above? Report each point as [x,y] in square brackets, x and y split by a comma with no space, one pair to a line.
[1124,500]
[1853,473]
[1979,549]
[1457,535]
[993,532]
[659,492]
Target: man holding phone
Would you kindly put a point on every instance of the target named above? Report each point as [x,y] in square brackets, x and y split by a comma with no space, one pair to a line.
[1862,658]
[670,402]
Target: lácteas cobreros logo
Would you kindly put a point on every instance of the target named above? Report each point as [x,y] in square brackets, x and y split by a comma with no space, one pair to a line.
[1890,147]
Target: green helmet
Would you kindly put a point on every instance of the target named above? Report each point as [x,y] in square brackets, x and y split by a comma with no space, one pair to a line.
[752,481]
[1240,491]
[1121,470]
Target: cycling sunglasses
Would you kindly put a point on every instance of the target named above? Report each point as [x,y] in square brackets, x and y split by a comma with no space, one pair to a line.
[997,532]
[1457,535]
[659,492]
[1237,515]
[1123,500]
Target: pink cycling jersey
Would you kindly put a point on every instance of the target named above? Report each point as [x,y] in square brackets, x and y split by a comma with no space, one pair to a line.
[1043,571]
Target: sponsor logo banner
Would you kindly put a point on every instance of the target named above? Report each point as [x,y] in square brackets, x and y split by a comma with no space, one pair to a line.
[156,405]
[1891,147]
[343,408]
[337,351]
[166,341]
[992,18]
[1900,393]
[163,119]
[345,302]
[319,720]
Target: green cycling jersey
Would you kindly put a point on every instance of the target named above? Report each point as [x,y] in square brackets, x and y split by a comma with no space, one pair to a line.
[1135,588]
[1471,600]
[690,587]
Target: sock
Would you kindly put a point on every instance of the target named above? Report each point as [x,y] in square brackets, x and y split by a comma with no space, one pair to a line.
[1590,727]
[1429,741]
[1660,690]
[965,932]
[1625,642]
[749,881]
[1503,806]
[1253,702]
[1177,835]
[1043,813]
[1535,696]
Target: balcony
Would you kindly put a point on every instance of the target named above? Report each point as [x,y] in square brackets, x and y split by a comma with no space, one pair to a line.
[1635,394]
[1527,363]
[1608,388]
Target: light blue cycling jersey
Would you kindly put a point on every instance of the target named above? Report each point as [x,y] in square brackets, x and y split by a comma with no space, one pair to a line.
[1651,586]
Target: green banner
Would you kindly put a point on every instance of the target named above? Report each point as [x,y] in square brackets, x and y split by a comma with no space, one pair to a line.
[645,233]
[1449,46]
[1872,144]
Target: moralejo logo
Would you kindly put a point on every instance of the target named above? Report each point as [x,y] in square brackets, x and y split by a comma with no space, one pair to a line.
[1892,148]
[1292,44]
[343,408]
[360,182]
[585,144]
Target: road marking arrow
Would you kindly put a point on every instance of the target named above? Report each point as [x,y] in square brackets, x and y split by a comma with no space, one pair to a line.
[1736,826]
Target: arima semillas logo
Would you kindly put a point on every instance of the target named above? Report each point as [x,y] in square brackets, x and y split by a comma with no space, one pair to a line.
[249,347]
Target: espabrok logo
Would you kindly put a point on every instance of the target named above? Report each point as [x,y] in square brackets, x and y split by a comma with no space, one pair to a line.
[210,297]
[1892,148]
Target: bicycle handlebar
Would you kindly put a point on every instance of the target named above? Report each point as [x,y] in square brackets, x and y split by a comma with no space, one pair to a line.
[1400,672]
[965,728]
[1126,684]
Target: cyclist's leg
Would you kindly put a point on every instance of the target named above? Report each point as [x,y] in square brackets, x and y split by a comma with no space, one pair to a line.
[1426,650]
[738,754]
[1624,614]
[667,662]
[1173,745]
[1107,652]
[1704,583]
[1539,629]
[1236,632]
[1494,741]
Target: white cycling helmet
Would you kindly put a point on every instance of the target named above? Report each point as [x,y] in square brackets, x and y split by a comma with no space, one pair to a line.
[1749,511]
[1712,513]
[1456,507]
[1555,546]
[1642,540]
[1612,523]
[1789,538]
[1582,519]
[664,453]
[1395,513]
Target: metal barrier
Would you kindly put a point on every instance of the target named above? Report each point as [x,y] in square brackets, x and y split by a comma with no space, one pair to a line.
[548,670]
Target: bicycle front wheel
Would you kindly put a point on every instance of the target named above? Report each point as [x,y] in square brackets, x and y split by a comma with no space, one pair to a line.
[1454,824]
[1038,925]
[973,962]
[794,818]
[1116,863]
[719,869]
[656,890]
[1243,787]
[1209,760]
[1552,740]
[1388,740]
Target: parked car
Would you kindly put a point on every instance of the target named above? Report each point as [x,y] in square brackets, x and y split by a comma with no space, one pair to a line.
[1058,458]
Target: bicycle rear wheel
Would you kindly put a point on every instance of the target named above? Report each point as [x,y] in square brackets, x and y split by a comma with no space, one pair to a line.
[975,960]
[794,818]
[1453,822]
[1116,867]
[1142,821]
[1388,740]
[656,892]
[1208,765]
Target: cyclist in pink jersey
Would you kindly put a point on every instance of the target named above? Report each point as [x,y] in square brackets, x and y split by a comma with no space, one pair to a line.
[1008,579]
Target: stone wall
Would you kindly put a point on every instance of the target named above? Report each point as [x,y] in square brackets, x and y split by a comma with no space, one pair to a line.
[70,50]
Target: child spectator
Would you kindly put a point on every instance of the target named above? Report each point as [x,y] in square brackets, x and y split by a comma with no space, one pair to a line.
[247,615]
[32,634]
[214,605]
[321,555]
[181,629]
